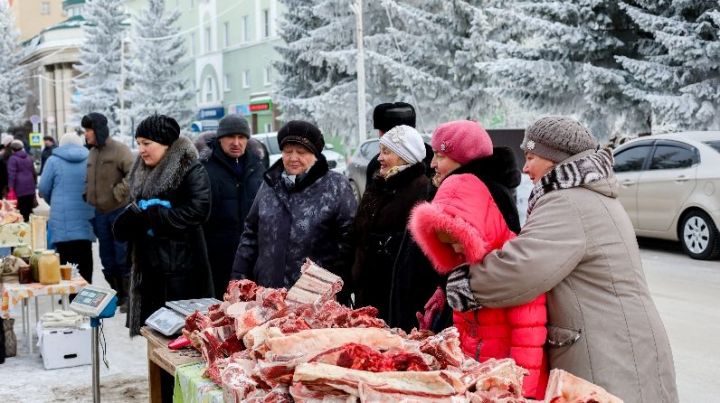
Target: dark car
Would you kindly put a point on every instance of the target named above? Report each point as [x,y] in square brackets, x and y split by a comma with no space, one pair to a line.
[357,166]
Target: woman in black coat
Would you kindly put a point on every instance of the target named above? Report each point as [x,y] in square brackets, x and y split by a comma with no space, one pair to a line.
[390,272]
[171,201]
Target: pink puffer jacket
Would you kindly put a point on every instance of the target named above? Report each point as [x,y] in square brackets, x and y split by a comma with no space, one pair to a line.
[464,209]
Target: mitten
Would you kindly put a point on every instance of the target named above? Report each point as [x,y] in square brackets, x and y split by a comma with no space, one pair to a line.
[459,294]
[433,308]
[130,224]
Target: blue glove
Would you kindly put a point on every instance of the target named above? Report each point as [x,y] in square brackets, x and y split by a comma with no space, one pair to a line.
[144,204]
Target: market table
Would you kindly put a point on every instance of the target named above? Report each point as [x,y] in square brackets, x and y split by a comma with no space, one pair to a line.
[161,358]
[13,293]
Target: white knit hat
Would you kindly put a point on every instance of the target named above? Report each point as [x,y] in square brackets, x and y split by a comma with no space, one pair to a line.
[71,138]
[406,142]
[5,139]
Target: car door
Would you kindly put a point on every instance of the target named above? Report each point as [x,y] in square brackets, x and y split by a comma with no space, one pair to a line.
[666,184]
[629,163]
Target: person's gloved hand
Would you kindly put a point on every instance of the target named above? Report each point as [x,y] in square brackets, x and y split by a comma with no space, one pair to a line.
[459,294]
[130,223]
[433,308]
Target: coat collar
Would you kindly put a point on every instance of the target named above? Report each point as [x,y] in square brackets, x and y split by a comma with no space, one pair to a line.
[146,182]
[273,176]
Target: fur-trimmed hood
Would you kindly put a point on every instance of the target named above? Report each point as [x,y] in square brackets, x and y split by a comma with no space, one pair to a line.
[146,182]
[463,208]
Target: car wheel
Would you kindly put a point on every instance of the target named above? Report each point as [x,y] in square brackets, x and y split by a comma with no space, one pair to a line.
[699,236]
[355,190]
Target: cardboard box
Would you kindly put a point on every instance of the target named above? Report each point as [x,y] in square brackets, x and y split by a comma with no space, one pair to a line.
[65,347]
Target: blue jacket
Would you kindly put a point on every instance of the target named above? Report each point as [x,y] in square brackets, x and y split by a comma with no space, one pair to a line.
[62,185]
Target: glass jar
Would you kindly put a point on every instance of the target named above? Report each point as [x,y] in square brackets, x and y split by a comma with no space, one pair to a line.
[49,267]
[34,264]
[25,274]
[23,251]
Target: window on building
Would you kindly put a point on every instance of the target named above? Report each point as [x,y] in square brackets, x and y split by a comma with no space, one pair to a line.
[246,79]
[266,22]
[226,82]
[208,40]
[266,76]
[193,51]
[210,90]
[246,28]
[45,8]
[268,127]
[226,34]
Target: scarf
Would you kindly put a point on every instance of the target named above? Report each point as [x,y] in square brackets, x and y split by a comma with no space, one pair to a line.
[585,170]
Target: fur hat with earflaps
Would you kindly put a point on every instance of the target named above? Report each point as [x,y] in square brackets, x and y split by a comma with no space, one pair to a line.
[464,210]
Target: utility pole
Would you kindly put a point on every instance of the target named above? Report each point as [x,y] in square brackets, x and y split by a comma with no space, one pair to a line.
[121,90]
[357,8]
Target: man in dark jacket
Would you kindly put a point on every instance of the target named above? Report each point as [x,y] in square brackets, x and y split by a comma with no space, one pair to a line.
[385,117]
[47,151]
[235,166]
[106,189]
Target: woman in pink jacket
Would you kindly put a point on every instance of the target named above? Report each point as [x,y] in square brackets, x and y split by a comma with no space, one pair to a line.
[461,225]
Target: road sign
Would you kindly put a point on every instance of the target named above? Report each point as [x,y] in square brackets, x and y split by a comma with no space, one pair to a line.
[34,119]
[35,139]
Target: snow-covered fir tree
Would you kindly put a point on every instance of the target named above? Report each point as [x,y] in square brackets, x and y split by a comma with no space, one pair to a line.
[100,58]
[563,62]
[678,70]
[13,87]
[156,64]
[318,66]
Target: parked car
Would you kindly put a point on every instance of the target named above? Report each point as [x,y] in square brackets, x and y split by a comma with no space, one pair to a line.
[357,165]
[670,187]
[336,161]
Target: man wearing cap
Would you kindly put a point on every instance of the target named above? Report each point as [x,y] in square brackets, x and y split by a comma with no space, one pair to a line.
[385,117]
[235,166]
[47,151]
[302,210]
[578,245]
[106,189]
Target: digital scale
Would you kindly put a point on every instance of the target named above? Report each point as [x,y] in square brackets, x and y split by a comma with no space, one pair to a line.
[97,303]
[169,322]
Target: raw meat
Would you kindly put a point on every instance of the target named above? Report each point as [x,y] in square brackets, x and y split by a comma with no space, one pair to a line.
[359,356]
[314,341]
[315,285]
[564,387]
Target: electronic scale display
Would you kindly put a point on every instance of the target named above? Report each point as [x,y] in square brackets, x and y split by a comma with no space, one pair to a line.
[91,300]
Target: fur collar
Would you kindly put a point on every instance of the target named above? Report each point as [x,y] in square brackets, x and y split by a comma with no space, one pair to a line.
[146,182]
[584,169]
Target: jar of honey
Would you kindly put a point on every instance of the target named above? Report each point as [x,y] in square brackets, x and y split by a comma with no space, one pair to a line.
[25,275]
[34,264]
[49,267]
[23,251]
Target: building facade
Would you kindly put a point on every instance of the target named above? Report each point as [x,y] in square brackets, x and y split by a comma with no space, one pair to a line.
[52,54]
[32,16]
[231,44]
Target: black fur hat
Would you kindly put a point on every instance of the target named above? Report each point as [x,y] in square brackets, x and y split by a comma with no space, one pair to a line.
[159,128]
[388,115]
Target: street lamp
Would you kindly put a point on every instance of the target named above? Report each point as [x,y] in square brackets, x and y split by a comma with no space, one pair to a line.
[356,7]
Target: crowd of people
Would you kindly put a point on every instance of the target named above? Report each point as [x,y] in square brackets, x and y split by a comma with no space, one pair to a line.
[435,240]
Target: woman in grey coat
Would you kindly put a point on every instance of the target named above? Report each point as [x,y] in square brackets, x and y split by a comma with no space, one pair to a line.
[578,245]
[302,210]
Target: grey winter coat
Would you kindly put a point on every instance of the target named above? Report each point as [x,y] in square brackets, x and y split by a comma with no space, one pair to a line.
[578,245]
[284,226]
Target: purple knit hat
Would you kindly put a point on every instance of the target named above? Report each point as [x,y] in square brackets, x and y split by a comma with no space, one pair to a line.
[462,141]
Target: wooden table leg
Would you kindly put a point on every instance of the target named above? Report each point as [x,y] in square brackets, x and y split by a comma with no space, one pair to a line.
[154,372]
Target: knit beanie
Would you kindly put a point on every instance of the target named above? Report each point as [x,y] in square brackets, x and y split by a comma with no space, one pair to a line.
[304,133]
[232,125]
[557,138]
[462,141]
[159,128]
[388,115]
[16,145]
[406,142]
[6,139]
[71,138]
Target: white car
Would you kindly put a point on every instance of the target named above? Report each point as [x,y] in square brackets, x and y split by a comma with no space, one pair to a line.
[670,187]
[336,161]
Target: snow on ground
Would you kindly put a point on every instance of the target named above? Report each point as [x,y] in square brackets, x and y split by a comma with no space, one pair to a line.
[24,379]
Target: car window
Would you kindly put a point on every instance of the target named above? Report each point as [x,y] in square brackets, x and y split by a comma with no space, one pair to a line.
[272,145]
[631,159]
[714,144]
[370,149]
[672,157]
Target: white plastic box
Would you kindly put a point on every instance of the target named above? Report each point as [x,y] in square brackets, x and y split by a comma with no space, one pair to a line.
[64,347]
